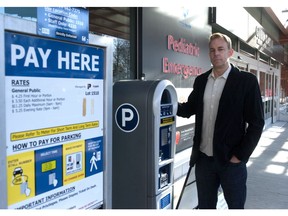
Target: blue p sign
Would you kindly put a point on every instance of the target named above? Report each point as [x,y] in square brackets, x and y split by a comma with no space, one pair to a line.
[127,117]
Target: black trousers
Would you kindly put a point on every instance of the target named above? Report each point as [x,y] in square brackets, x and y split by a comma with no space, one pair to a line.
[210,175]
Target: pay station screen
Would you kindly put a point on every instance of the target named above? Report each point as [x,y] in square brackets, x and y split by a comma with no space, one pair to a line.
[164,136]
[165,131]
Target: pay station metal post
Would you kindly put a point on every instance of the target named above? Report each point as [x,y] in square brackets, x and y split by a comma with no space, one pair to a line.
[143,144]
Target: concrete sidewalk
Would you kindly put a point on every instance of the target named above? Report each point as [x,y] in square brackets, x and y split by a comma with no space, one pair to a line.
[267,184]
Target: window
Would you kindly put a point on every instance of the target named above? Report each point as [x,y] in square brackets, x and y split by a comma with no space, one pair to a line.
[117,22]
[262,83]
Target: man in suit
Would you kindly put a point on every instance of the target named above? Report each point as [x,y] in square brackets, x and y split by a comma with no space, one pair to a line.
[228,125]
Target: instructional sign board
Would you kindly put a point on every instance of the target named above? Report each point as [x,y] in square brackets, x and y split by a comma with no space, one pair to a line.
[64,23]
[54,126]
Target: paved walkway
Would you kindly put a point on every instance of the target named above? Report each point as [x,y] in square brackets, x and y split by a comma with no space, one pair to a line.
[267,184]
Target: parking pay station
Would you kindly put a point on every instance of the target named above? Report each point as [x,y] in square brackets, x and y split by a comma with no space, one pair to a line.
[143,144]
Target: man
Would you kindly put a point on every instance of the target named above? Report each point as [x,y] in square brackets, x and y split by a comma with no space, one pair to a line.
[229,122]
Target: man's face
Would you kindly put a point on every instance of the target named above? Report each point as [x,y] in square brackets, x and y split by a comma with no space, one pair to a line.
[219,53]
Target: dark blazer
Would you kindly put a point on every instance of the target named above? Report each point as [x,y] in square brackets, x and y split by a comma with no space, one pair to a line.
[239,121]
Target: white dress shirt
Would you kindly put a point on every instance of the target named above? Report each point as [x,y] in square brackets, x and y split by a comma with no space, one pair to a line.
[212,94]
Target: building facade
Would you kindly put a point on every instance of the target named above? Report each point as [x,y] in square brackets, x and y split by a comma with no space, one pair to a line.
[172,43]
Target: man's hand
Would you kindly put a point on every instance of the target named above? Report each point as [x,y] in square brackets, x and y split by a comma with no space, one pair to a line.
[234,159]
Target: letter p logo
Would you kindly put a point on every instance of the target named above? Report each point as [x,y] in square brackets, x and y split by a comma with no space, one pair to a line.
[127,117]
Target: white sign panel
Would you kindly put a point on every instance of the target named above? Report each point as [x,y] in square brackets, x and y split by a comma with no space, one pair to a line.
[54,127]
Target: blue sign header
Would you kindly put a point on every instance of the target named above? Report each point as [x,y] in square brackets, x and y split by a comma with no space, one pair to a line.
[38,57]
[65,23]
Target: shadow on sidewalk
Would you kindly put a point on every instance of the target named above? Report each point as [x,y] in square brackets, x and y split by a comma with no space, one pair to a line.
[267,184]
